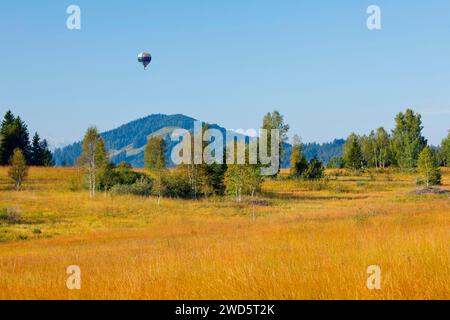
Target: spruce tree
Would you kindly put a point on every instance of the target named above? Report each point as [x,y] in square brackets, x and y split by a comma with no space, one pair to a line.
[22,137]
[353,155]
[7,138]
[36,153]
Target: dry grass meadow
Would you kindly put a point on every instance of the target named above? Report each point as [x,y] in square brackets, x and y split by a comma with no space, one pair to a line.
[311,241]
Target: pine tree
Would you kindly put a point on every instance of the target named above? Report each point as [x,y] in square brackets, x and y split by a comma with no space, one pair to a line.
[353,156]
[155,161]
[18,170]
[428,167]
[6,143]
[22,137]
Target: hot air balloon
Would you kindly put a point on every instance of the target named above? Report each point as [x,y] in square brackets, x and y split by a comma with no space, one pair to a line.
[145,59]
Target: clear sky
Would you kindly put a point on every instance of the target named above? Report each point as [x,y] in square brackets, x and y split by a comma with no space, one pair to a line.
[226,62]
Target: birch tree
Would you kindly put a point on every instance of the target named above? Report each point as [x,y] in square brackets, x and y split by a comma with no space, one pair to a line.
[18,170]
[93,157]
[155,161]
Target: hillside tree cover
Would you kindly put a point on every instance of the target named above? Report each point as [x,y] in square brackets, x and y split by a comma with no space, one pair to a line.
[323,151]
[428,168]
[18,170]
[336,163]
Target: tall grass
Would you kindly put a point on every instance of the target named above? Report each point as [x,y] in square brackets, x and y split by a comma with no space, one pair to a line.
[310,242]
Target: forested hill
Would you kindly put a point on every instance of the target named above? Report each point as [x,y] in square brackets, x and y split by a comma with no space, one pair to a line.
[324,151]
[127,142]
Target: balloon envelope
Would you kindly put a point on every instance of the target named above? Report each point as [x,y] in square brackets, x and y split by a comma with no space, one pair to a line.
[144,58]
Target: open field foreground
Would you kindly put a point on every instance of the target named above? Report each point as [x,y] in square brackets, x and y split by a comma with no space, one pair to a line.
[309,240]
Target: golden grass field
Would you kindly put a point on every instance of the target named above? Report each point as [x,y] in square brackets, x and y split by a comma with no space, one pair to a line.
[313,241]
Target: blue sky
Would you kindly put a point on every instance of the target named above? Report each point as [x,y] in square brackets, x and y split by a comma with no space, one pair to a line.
[226,62]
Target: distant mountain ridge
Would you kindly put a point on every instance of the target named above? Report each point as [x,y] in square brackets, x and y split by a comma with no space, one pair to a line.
[127,142]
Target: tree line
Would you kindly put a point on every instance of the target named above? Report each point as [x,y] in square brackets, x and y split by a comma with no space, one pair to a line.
[18,151]
[185,181]
[405,147]
[14,136]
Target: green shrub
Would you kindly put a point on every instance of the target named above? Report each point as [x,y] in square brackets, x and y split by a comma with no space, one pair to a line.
[363,217]
[11,216]
[142,187]
[75,184]
[123,174]
[314,170]
[22,237]
[177,185]
[314,185]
